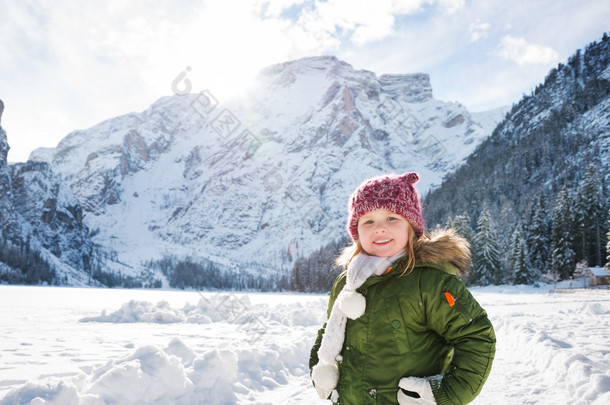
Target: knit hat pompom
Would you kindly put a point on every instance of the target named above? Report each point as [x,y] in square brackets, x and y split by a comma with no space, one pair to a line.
[390,192]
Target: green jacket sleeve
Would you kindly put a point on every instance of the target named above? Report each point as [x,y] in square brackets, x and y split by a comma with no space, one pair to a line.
[337,287]
[453,313]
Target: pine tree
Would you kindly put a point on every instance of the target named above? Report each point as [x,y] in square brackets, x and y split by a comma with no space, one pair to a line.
[564,258]
[515,240]
[588,219]
[506,216]
[538,236]
[521,269]
[487,267]
[461,223]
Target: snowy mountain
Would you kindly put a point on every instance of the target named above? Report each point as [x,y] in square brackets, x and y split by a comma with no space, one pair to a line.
[43,235]
[251,181]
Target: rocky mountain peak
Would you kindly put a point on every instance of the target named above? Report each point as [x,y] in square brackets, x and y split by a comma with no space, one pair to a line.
[414,88]
[239,181]
[319,63]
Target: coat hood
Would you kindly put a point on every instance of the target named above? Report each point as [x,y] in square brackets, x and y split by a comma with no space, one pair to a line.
[444,246]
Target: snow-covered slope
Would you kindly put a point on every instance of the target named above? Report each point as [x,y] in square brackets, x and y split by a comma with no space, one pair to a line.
[241,181]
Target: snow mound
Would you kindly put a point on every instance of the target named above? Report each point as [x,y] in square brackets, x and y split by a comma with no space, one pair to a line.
[268,353]
[141,311]
[149,375]
[176,375]
[216,308]
[596,308]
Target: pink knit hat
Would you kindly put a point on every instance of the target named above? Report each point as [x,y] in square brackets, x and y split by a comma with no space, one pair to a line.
[390,192]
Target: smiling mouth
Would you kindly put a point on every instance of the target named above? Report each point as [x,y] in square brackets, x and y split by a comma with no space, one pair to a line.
[382,242]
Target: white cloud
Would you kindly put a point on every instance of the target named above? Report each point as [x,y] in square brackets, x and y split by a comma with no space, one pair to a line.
[275,8]
[523,53]
[478,30]
[451,6]
[361,21]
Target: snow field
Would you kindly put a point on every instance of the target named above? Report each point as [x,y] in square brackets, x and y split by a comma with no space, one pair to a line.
[144,353]
[96,347]
[551,348]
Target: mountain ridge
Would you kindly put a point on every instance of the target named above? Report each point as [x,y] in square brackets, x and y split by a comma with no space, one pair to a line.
[252,181]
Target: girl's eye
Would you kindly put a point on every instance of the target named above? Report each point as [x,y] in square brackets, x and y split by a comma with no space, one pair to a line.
[392,218]
[368,222]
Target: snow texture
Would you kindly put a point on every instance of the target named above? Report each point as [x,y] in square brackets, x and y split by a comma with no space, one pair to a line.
[74,346]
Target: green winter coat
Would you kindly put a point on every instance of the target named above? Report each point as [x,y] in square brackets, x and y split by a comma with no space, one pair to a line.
[421,324]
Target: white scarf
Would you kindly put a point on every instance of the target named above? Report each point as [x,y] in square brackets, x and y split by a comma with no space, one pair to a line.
[349,304]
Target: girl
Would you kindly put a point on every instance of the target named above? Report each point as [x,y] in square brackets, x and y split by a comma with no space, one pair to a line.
[402,328]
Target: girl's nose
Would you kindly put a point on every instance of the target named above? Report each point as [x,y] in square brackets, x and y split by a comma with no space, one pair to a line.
[379,229]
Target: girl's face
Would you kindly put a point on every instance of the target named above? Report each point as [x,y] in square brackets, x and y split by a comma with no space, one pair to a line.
[382,233]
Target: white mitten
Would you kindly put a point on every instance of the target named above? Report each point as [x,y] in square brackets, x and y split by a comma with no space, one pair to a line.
[325,378]
[415,391]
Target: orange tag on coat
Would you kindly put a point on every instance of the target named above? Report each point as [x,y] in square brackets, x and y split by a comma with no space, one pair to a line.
[450,298]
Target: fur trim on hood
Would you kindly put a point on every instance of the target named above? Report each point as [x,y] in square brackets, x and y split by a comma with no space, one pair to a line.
[444,246]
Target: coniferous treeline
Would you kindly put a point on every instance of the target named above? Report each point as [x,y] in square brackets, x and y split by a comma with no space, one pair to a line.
[543,174]
[26,266]
[20,263]
[317,272]
[314,273]
[118,279]
[203,274]
[545,245]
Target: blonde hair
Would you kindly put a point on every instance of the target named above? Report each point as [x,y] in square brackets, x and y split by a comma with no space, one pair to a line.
[348,253]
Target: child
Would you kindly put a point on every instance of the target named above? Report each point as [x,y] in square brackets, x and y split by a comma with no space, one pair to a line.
[402,328]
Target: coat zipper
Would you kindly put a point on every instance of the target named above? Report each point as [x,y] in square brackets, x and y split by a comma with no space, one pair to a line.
[463,310]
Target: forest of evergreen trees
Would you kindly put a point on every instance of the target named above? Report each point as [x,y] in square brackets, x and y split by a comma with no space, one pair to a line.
[314,273]
[202,274]
[547,244]
[317,272]
[118,279]
[26,266]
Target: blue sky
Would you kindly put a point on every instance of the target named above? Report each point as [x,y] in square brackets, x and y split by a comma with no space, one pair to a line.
[66,65]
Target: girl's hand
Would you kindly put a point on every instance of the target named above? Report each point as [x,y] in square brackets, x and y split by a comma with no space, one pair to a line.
[415,391]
